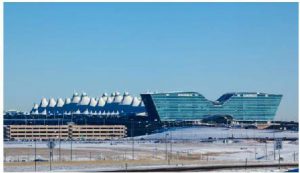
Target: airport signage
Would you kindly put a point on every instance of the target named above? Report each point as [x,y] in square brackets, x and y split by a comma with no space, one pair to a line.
[278,144]
[249,95]
[51,144]
[184,95]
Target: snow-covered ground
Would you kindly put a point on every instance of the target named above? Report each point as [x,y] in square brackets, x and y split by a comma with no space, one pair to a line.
[219,132]
[186,147]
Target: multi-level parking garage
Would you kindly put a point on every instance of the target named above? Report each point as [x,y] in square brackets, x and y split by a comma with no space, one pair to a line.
[65,132]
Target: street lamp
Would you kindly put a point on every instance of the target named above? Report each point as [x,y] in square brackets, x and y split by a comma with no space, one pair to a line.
[132,138]
[35,154]
[166,135]
[51,146]
[171,145]
[59,136]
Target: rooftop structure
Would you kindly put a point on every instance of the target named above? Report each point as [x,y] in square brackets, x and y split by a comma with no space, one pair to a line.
[113,105]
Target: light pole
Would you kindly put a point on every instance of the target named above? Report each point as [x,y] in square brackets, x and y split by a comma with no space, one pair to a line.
[51,145]
[59,150]
[28,152]
[279,158]
[50,155]
[166,135]
[171,145]
[35,154]
[274,146]
[255,153]
[266,150]
[294,156]
[71,154]
[132,138]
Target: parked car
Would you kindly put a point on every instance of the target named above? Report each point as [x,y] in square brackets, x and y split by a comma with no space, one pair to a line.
[40,160]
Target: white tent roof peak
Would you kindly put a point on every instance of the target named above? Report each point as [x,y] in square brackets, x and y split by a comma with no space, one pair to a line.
[101,102]
[110,100]
[136,102]
[52,102]
[44,103]
[127,100]
[76,98]
[85,100]
[93,102]
[60,102]
[118,99]
[68,101]
[104,98]
[35,106]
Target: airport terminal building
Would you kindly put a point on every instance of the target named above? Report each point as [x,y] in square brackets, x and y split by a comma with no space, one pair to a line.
[149,112]
[167,106]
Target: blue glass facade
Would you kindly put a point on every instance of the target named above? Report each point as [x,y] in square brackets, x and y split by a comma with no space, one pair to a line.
[180,106]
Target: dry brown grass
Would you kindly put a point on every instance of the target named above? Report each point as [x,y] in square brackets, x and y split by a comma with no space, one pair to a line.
[114,156]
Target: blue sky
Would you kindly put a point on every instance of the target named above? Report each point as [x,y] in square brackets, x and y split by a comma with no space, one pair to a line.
[52,49]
